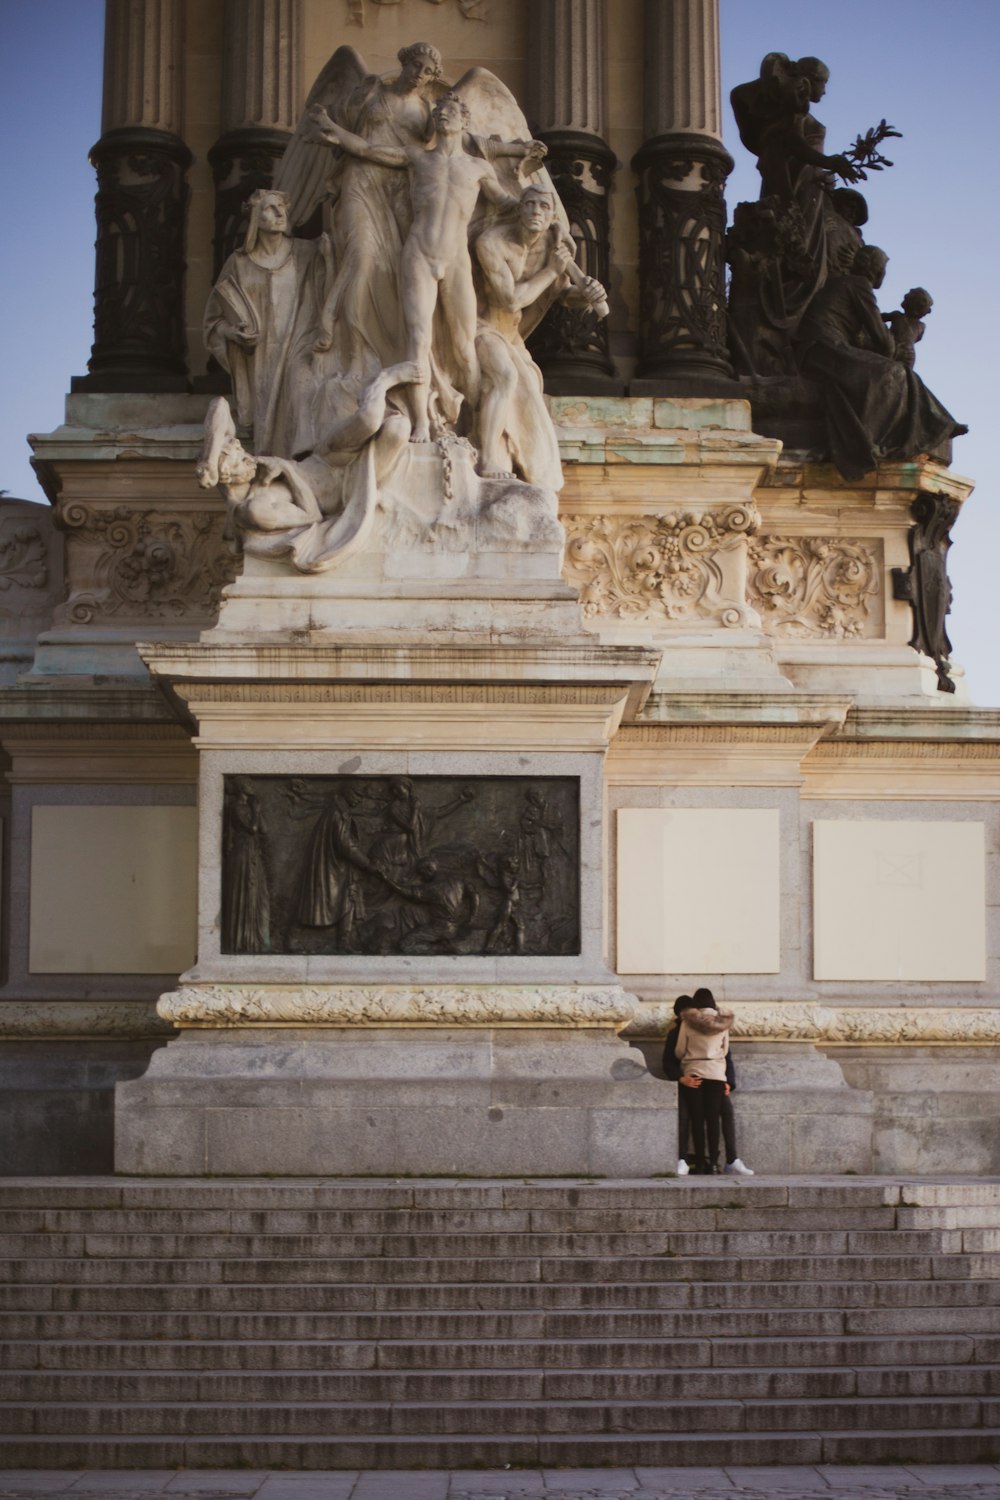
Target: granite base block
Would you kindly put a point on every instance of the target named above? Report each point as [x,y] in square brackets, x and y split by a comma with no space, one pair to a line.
[484,1102]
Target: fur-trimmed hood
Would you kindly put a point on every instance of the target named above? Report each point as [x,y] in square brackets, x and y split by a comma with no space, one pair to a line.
[706,1021]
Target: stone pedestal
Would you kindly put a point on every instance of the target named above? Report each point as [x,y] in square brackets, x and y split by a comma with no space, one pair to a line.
[699,627]
[560,1099]
[440,645]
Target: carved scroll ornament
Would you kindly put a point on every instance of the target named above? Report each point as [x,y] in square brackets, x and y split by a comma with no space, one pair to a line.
[815,588]
[125,563]
[685,566]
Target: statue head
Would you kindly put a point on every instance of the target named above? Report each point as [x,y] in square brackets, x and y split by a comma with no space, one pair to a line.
[269,211]
[537,208]
[236,465]
[451,113]
[420,62]
[816,75]
[917,303]
[850,205]
[870,263]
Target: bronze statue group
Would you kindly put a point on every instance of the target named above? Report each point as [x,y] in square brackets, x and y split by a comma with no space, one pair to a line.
[804,323]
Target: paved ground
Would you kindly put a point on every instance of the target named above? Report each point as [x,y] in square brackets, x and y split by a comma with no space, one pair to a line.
[920,1482]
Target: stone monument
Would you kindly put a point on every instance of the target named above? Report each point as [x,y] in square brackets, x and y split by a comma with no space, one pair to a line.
[439,711]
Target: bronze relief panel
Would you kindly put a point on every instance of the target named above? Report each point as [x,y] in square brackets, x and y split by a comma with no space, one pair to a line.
[393,865]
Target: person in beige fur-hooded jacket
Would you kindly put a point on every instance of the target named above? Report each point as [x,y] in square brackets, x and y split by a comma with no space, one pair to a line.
[702,1047]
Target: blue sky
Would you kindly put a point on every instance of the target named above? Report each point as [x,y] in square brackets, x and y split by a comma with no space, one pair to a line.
[930,69]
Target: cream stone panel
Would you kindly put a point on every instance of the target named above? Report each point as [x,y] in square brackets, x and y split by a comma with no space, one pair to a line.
[698,891]
[113,890]
[899,901]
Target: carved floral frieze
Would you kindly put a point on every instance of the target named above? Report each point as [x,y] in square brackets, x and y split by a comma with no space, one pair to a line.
[761,1021]
[387,1005]
[24,562]
[816,587]
[144,564]
[685,567]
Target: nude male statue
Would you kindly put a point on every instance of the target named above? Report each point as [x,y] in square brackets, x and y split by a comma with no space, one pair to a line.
[435,266]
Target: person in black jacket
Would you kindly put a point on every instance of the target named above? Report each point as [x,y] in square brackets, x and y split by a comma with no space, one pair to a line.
[672,1070]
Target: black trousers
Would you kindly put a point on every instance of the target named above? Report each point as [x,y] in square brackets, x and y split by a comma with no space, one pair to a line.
[684,1125]
[704,1105]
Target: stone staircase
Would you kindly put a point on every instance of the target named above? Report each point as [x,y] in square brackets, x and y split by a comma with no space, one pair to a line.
[421,1324]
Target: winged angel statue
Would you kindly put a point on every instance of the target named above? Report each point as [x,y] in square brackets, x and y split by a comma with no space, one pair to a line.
[401,327]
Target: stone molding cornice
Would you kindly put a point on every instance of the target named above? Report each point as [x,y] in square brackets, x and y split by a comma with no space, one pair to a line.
[80,709]
[711,754]
[559,1006]
[890,484]
[101,757]
[916,750]
[83,1020]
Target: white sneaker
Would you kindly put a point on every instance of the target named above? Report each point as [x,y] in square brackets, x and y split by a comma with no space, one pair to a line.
[682,1168]
[738,1169]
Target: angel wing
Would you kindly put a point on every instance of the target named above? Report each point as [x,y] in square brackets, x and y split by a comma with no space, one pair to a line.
[305,166]
[496,115]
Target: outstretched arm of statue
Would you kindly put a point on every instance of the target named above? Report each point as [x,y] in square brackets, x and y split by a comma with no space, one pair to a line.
[489,186]
[325,129]
[504,291]
[797,146]
[532,153]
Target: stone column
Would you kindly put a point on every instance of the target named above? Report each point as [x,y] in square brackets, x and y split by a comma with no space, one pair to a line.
[141,200]
[261,99]
[567,110]
[682,168]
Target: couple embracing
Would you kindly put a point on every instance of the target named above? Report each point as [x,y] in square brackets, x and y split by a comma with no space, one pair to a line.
[696,1056]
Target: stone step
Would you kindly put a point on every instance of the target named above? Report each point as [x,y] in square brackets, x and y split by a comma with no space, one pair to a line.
[705,1384]
[466,1417]
[185,1194]
[677,1216]
[973,1192]
[522,1353]
[324,1324]
[452,1246]
[929,1380]
[691,1322]
[510,1449]
[955,1216]
[443,1385]
[299,1298]
[594,1269]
